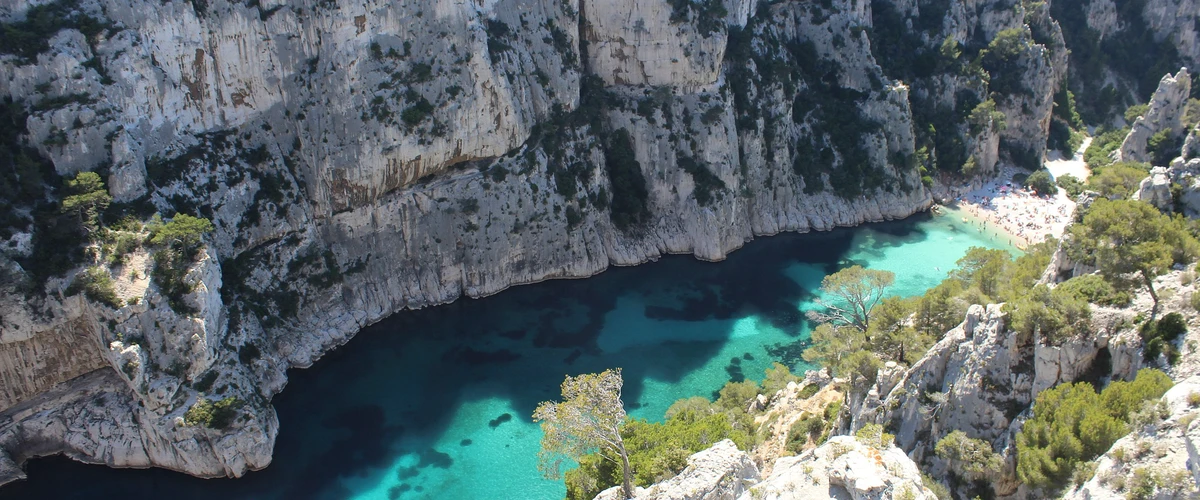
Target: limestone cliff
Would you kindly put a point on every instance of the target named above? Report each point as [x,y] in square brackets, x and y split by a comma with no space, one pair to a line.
[981,379]
[359,158]
[1163,116]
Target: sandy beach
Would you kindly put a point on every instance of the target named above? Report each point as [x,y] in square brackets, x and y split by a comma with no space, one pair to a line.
[1003,206]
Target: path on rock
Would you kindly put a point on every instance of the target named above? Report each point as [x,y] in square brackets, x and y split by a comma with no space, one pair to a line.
[1075,166]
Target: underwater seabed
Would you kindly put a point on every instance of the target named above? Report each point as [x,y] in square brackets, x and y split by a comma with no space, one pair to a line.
[436,403]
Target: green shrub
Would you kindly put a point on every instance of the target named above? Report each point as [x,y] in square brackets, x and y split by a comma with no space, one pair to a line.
[1163,147]
[1071,184]
[1099,153]
[1072,424]
[26,39]
[970,459]
[629,195]
[777,378]
[708,185]
[660,450]
[941,491]
[417,112]
[181,239]
[1134,112]
[1118,180]
[1095,289]
[1041,183]
[97,285]
[809,428]
[1158,337]
[873,435]
[248,353]
[1054,315]
[213,415]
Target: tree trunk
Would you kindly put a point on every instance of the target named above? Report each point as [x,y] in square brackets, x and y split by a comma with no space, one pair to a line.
[1153,295]
[626,473]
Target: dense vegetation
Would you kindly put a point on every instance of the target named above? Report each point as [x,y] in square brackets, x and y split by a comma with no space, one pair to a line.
[1133,54]
[903,329]
[179,243]
[214,415]
[1132,243]
[1072,424]
[630,205]
[659,450]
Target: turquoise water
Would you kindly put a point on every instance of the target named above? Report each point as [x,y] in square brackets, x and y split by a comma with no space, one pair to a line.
[436,403]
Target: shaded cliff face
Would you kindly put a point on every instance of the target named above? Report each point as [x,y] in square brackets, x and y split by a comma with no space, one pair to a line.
[1119,50]
[361,158]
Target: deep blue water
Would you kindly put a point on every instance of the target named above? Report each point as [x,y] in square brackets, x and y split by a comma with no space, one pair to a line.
[436,403]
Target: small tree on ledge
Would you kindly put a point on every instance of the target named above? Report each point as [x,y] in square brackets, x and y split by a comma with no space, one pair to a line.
[589,417]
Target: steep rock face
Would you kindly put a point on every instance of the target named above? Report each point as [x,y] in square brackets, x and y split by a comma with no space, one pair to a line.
[359,159]
[1166,108]
[1175,20]
[1191,145]
[721,472]
[980,379]
[843,467]
[340,77]
[647,42]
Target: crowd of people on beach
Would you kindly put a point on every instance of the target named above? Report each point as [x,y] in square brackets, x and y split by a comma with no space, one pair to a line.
[1020,212]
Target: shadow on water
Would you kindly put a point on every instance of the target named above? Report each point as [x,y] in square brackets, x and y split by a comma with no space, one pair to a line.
[396,386]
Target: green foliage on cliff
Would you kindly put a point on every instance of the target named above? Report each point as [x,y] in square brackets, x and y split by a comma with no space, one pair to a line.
[709,187]
[629,207]
[709,14]
[180,242]
[1132,53]
[1158,337]
[1163,147]
[214,415]
[97,285]
[1002,59]
[1099,153]
[1041,183]
[1053,315]
[658,450]
[26,39]
[1131,242]
[1093,288]
[969,459]
[1119,180]
[1072,424]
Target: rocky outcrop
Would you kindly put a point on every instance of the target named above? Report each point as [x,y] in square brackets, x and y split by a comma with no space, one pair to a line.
[1156,189]
[362,158]
[1166,108]
[841,468]
[721,472]
[981,378]
[1191,145]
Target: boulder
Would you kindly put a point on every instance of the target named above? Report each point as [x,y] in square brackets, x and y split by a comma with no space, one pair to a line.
[843,468]
[721,472]
[1166,108]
